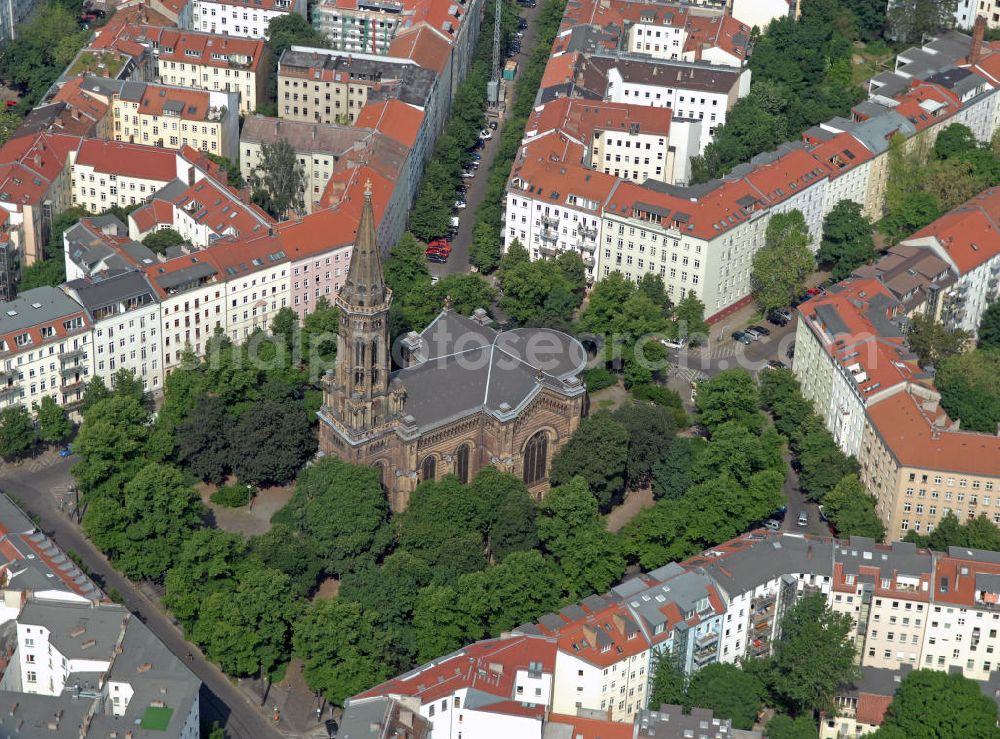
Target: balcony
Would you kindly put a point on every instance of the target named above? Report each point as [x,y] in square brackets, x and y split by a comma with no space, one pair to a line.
[704,656]
[586,233]
[71,370]
[10,391]
[550,222]
[71,387]
[549,234]
[764,601]
[586,246]
[707,639]
[548,250]
[588,259]
[759,647]
[72,356]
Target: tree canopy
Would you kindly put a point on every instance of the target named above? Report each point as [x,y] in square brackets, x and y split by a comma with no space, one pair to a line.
[847,239]
[278,182]
[939,705]
[851,510]
[781,265]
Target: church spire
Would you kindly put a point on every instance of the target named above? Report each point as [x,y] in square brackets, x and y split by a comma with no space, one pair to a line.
[365,286]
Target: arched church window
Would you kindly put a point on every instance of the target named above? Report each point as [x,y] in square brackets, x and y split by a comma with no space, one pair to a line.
[462,463]
[428,470]
[535,458]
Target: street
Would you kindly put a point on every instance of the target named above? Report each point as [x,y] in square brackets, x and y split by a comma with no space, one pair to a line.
[33,484]
[458,262]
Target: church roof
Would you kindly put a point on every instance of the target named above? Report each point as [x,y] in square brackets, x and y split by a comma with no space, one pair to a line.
[365,286]
[470,367]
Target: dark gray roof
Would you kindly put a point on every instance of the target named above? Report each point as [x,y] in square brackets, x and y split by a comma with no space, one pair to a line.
[184,276]
[101,291]
[902,558]
[331,138]
[380,718]
[34,307]
[469,367]
[759,558]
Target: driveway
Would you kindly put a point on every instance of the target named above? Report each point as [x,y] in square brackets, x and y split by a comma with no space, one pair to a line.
[36,485]
[458,262]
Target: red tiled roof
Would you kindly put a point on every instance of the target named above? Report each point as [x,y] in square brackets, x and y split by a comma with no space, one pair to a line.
[592,728]
[188,47]
[914,442]
[129,160]
[969,234]
[29,165]
[581,118]
[394,118]
[472,667]
[152,214]
[195,104]
[871,708]
[426,46]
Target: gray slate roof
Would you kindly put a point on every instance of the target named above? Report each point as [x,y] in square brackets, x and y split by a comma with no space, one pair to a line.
[51,304]
[470,367]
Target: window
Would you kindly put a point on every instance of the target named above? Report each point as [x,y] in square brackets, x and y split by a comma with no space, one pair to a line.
[535,458]
[462,464]
[428,470]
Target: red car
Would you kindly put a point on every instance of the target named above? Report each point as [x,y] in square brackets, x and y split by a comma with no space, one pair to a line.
[440,244]
[814,290]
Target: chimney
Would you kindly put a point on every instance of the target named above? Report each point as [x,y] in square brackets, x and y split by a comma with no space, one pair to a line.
[978,31]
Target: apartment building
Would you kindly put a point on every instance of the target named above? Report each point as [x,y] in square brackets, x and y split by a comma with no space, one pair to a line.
[692,91]
[850,353]
[100,244]
[192,297]
[241,17]
[366,26]
[62,649]
[920,465]
[319,146]
[678,32]
[125,314]
[106,173]
[630,142]
[175,117]
[257,283]
[759,13]
[45,347]
[914,276]
[967,239]
[911,608]
[35,187]
[202,61]
[321,86]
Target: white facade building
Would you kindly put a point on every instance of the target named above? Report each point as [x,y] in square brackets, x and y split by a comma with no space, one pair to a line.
[237,18]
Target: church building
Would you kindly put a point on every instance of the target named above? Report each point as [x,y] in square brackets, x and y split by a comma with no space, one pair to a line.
[466,397]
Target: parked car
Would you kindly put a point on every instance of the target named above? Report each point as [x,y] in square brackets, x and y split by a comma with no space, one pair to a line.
[814,291]
[460,204]
[522,23]
[493,125]
[791,350]
[455,222]
[467,173]
[486,134]
[803,519]
[772,525]
[763,331]
[66,451]
[752,333]
[779,316]
[776,364]
[672,343]
[742,337]
[437,258]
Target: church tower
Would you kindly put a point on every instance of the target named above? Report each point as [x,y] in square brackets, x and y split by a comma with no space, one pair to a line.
[359,400]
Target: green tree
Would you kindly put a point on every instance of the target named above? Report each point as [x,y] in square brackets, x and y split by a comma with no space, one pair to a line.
[954,140]
[731,395]
[271,442]
[939,705]
[111,444]
[912,212]
[932,342]
[737,452]
[729,692]
[910,21]
[509,512]
[970,389]
[651,285]
[673,474]
[598,452]
[821,463]
[513,592]
[780,267]
[278,183]
[650,429]
[669,683]
[319,335]
[342,510]
[207,562]
[440,624]
[851,510]
[989,327]
[283,32]
[126,384]
[285,328]
[341,650]
[782,726]
[291,552]
[159,513]
[689,318]
[847,239]
[406,265]
[95,392]
[814,655]
[572,532]
[54,425]
[248,629]
[161,240]
[17,433]
[202,440]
